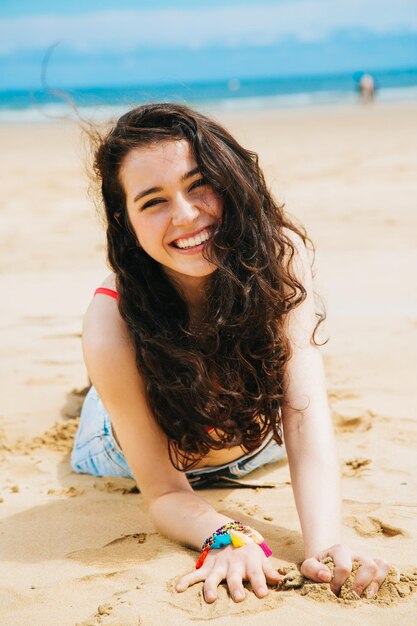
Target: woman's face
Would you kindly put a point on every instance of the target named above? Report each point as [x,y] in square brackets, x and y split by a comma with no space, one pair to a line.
[171,208]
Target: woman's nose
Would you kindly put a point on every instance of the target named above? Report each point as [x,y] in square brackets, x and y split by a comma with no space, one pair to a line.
[183,211]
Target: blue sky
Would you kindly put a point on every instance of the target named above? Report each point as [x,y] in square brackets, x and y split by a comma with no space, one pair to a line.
[103,42]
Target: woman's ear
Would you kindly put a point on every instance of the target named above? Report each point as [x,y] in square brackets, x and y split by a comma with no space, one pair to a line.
[117,218]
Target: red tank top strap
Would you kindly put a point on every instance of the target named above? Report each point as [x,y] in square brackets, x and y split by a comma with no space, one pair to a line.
[107,292]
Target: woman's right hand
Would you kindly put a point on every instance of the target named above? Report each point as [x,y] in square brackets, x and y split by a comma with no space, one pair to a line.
[233,565]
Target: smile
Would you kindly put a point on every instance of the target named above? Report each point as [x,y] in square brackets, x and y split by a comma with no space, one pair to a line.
[192,242]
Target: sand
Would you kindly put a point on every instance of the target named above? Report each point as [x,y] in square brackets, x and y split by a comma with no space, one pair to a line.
[82,550]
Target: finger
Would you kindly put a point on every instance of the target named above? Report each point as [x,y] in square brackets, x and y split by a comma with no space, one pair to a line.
[272,576]
[342,559]
[383,569]
[196,576]
[313,569]
[257,579]
[234,582]
[364,575]
[370,575]
[213,580]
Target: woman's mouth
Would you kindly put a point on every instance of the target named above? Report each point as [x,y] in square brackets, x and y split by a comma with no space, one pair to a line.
[192,244]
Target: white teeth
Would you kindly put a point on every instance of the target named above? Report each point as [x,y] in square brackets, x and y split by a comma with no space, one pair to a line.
[190,242]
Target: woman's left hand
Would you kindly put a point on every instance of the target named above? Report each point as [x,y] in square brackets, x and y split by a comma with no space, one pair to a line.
[370,574]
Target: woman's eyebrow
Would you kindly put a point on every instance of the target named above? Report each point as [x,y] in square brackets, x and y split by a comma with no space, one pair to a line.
[141,194]
[147,192]
[191,173]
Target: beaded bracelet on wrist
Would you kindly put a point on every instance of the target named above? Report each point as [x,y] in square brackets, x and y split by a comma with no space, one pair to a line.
[234,533]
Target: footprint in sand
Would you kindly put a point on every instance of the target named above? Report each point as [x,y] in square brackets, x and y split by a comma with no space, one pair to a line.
[367,526]
[351,419]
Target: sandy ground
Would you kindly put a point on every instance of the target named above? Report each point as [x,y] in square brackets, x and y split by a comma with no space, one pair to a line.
[79,550]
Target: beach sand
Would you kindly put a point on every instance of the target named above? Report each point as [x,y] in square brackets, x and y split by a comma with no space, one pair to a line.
[82,550]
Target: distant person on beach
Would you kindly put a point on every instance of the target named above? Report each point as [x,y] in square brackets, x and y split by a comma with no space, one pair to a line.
[366,88]
[201,349]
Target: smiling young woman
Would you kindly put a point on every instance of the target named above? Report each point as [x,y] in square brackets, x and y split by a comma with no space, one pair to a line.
[203,358]
[172,209]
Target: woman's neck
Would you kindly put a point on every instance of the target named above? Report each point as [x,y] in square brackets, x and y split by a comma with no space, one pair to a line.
[193,290]
[196,300]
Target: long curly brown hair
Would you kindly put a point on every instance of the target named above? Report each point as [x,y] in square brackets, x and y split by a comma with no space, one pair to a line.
[226,372]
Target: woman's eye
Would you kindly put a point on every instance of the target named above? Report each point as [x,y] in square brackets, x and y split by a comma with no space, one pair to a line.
[153,202]
[198,183]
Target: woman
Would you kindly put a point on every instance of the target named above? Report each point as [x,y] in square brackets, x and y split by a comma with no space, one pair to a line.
[200,346]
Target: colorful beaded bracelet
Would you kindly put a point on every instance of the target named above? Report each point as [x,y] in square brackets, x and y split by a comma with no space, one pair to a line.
[234,533]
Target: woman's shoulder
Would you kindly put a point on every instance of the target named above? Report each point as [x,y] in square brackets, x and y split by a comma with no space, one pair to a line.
[104,306]
[109,282]
[103,326]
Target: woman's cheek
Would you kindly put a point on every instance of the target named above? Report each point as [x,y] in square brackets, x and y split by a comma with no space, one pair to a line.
[215,204]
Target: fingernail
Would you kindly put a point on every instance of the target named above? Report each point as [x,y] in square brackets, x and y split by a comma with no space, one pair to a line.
[179,588]
[372,591]
[239,595]
[210,596]
[263,591]
[324,575]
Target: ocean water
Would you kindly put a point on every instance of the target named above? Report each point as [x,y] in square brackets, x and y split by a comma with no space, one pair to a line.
[235,94]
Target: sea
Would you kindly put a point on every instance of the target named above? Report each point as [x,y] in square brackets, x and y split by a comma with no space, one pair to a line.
[95,103]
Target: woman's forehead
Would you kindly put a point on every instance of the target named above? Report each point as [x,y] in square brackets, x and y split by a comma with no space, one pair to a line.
[167,152]
[157,164]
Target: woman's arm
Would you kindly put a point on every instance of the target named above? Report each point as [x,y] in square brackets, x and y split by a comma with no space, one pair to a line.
[312,455]
[177,511]
[307,426]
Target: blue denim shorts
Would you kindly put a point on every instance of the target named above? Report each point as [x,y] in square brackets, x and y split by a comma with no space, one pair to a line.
[97,452]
